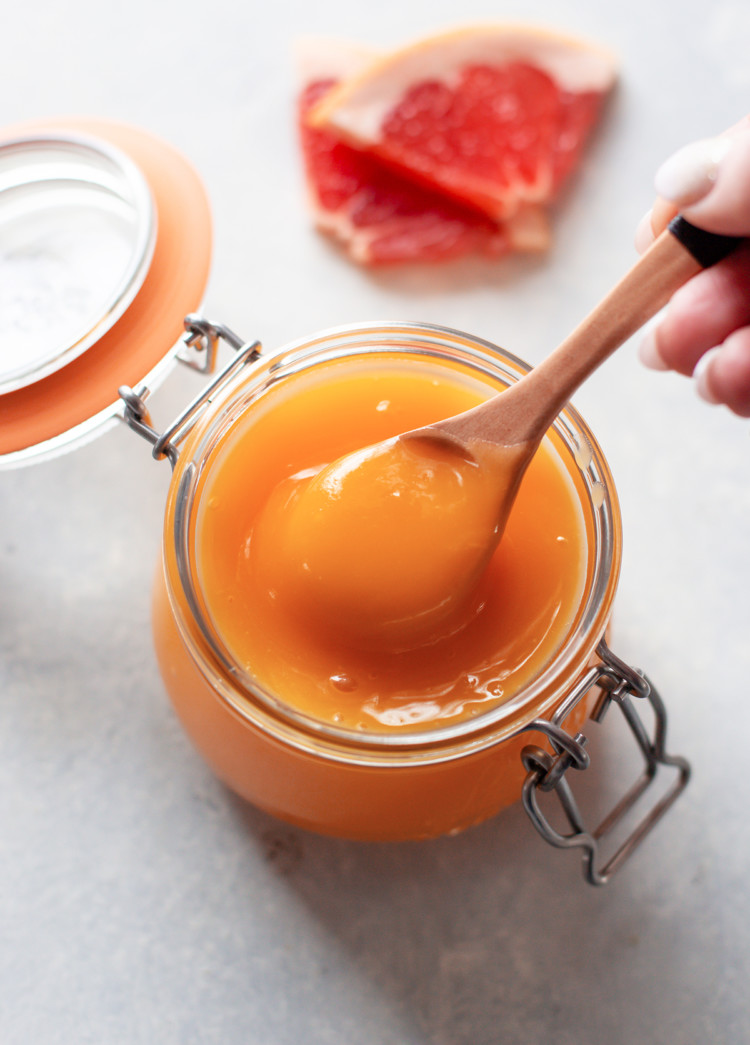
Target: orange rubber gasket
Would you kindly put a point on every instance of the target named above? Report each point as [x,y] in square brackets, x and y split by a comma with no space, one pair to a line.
[153,323]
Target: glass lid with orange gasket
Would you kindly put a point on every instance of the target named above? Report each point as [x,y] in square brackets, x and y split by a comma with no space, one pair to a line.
[105,238]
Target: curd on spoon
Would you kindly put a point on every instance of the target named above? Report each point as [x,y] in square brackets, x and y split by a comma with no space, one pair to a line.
[388,542]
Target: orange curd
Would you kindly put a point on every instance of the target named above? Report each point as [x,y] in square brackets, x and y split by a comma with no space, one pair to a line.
[385,545]
[262,602]
[285,698]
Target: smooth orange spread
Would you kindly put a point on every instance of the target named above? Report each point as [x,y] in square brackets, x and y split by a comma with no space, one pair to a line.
[255,509]
[386,543]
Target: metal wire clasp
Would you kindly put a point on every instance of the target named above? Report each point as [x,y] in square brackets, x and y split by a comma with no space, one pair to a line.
[198,350]
[546,771]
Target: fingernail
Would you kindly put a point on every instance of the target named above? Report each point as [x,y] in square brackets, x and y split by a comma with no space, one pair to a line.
[648,353]
[644,234]
[690,173]
[701,375]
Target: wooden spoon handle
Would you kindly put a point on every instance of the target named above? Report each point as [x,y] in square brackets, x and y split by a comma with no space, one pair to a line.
[678,254]
[530,406]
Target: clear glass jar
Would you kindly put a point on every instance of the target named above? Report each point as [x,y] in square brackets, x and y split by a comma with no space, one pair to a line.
[373,786]
[60,391]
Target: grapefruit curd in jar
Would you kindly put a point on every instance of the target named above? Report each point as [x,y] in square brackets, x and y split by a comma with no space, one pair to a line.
[293,708]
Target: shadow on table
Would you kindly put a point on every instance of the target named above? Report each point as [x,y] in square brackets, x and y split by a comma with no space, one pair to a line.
[488,936]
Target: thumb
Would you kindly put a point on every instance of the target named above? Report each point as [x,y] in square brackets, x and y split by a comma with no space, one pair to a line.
[709,181]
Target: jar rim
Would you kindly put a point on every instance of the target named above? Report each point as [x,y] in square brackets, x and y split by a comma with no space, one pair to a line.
[243,691]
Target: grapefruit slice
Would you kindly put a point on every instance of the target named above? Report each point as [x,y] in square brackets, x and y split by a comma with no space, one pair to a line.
[494,116]
[379,216]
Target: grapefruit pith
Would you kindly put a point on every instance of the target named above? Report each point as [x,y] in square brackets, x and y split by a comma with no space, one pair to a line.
[494,116]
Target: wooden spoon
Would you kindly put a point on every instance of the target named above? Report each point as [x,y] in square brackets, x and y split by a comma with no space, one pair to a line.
[506,431]
[387,545]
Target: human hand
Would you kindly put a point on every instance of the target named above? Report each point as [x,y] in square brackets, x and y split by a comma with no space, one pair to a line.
[705,330]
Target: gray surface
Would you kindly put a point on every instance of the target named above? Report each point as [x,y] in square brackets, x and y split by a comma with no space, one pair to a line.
[139,901]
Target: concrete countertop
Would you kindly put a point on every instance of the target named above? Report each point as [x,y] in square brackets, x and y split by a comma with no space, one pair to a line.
[140,902]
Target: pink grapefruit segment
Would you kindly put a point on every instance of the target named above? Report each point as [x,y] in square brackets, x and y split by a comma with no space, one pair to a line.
[378,215]
[496,117]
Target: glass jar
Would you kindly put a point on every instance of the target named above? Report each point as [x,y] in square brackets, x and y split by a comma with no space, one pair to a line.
[115,199]
[387,786]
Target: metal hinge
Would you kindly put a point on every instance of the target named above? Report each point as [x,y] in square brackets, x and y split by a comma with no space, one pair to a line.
[198,350]
[546,771]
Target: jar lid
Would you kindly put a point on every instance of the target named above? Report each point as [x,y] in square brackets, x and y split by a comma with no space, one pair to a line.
[105,238]
[77,233]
